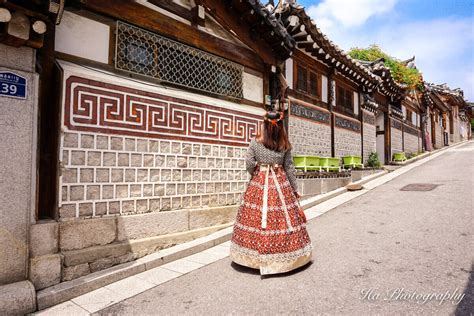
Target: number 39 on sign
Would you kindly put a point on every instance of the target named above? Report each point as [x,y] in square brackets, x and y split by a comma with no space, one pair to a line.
[12,85]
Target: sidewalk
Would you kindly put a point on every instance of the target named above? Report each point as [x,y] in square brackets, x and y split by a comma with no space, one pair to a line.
[119,291]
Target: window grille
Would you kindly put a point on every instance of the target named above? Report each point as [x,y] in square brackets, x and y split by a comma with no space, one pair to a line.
[143,52]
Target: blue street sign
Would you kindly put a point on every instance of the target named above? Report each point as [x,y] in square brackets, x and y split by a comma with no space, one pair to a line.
[12,85]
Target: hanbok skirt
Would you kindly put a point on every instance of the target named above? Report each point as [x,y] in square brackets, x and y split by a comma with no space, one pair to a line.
[270,236]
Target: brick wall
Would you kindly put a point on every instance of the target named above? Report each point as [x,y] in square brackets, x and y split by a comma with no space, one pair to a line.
[347,143]
[309,138]
[370,141]
[396,140]
[129,150]
[412,143]
[347,137]
[309,129]
[105,175]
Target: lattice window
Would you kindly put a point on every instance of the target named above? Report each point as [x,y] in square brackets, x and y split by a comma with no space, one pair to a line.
[143,52]
[344,98]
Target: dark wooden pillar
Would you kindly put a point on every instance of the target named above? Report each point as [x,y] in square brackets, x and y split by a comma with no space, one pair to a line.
[331,100]
[49,118]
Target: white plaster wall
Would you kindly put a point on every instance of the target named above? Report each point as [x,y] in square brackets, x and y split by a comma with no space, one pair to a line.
[356,103]
[369,144]
[289,72]
[252,87]
[324,89]
[83,37]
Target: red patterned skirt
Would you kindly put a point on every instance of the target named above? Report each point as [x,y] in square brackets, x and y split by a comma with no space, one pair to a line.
[270,236]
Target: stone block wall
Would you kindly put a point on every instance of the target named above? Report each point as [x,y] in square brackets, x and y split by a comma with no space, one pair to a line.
[370,140]
[412,143]
[309,130]
[107,175]
[135,150]
[18,128]
[347,137]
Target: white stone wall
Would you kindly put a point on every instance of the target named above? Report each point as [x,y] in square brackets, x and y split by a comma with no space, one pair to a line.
[309,138]
[106,175]
[18,144]
[396,140]
[347,142]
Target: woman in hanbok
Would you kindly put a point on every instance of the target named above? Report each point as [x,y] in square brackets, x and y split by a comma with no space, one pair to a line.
[270,228]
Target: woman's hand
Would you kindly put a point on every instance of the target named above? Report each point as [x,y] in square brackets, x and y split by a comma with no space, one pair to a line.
[298,195]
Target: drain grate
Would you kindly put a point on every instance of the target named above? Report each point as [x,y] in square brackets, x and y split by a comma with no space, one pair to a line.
[419,187]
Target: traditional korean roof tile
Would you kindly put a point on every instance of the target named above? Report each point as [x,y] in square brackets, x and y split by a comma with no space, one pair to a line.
[310,38]
[369,103]
[387,84]
[435,93]
[267,14]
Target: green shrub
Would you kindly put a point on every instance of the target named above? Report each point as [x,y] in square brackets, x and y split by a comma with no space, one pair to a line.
[373,160]
[401,73]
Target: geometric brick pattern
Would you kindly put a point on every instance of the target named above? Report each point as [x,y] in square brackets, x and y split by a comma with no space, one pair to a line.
[348,124]
[95,106]
[309,112]
[130,151]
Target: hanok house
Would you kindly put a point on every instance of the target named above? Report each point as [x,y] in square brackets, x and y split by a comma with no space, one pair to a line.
[447,122]
[145,112]
[398,114]
[329,115]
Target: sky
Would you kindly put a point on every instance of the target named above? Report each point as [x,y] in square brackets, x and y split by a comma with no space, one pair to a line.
[439,33]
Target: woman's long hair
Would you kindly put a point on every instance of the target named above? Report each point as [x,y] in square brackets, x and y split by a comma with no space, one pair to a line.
[273,135]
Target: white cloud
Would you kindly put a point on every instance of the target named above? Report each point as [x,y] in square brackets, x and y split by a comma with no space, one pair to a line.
[348,13]
[443,47]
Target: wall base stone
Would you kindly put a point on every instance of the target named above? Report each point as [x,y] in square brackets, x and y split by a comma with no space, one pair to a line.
[44,239]
[80,234]
[17,298]
[74,272]
[45,271]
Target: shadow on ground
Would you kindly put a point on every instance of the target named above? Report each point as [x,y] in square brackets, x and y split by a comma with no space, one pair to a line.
[466,306]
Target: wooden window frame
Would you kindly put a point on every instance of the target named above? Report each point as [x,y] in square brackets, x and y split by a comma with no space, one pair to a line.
[343,107]
[310,72]
[409,116]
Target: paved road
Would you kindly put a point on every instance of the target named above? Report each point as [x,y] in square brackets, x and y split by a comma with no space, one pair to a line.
[382,241]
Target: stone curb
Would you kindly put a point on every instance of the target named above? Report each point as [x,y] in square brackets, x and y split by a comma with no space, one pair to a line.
[68,290]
